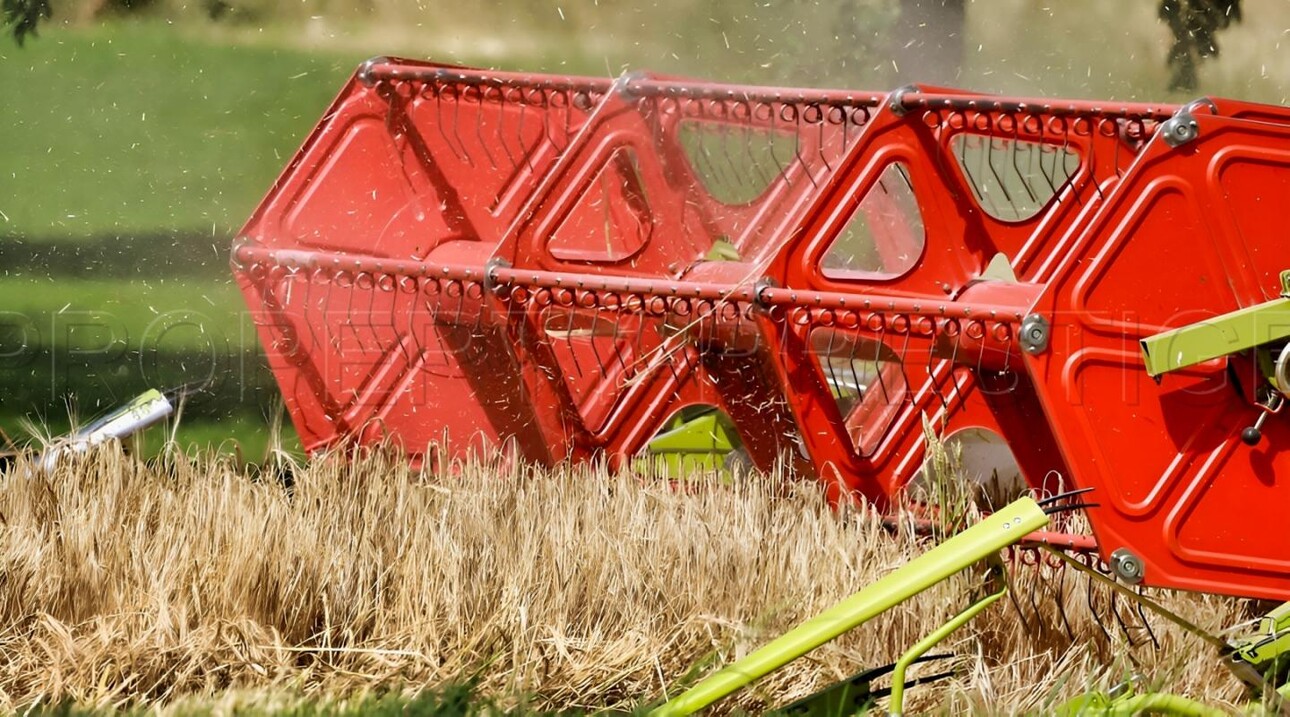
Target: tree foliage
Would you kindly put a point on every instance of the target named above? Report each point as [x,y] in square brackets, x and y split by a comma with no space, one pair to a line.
[1194,24]
[23,16]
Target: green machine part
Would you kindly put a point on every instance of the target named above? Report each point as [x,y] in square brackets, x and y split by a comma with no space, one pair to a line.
[1234,332]
[980,542]
[698,440]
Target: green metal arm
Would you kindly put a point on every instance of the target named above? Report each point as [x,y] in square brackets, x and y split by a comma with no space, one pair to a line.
[897,704]
[979,542]
[1156,703]
[1218,336]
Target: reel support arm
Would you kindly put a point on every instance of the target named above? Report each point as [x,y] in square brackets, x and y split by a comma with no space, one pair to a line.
[980,542]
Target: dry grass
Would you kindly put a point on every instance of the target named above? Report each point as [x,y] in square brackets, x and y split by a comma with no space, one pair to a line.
[125,583]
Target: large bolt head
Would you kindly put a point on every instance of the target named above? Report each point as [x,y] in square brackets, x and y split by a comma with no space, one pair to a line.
[1034,334]
[1127,566]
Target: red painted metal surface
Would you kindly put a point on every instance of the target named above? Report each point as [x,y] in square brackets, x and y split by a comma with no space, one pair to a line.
[462,260]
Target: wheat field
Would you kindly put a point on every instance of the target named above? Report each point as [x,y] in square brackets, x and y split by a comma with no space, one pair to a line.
[185,580]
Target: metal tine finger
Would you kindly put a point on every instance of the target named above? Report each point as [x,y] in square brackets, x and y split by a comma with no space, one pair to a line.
[479,130]
[639,359]
[1016,147]
[739,324]
[931,366]
[1012,597]
[904,372]
[1062,496]
[432,315]
[954,372]
[783,168]
[797,147]
[618,347]
[409,348]
[762,177]
[461,306]
[549,110]
[680,340]
[878,363]
[1003,185]
[477,327]
[501,129]
[313,326]
[1059,594]
[1146,624]
[1047,173]
[1119,619]
[568,341]
[980,355]
[1093,610]
[1090,161]
[821,143]
[967,170]
[944,157]
[1066,155]
[1070,507]
[846,132]
[567,112]
[828,361]
[441,124]
[725,178]
[983,161]
[737,181]
[667,355]
[853,347]
[1030,597]
[1007,353]
[527,152]
[1119,142]
[456,124]
[348,321]
[595,345]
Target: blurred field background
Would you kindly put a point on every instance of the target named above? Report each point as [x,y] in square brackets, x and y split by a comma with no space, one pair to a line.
[135,143]
[133,147]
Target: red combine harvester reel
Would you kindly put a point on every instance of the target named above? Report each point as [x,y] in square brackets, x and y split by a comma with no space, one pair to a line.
[464,261]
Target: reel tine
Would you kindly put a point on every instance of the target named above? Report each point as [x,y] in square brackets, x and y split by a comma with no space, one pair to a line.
[1012,593]
[1146,624]
[783,168]
[1059,594]
[595,345]
[1093,610]
[1003,185]
[1062,496]
[568,341]
[1119,619]
[501,128]
[618,347]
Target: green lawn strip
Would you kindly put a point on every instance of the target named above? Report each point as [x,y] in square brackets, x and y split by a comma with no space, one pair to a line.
[243,433]
[132,127]
[86,314]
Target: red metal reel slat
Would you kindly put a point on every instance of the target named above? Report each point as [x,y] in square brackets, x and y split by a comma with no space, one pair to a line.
[1019,129]
[957,254]
[1192,232]
[397,169]
[623,402]
[454,157]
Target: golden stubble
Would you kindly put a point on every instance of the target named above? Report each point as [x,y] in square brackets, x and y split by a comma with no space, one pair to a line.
[124,582]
